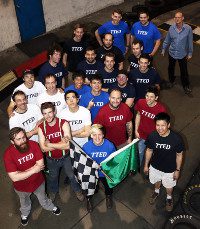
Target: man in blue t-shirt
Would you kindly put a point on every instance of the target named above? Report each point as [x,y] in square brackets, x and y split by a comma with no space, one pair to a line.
[145,31]
[54,66]
[118,28]
[99,148]
[143,77]
[90,65]
[78,85]
[96,98]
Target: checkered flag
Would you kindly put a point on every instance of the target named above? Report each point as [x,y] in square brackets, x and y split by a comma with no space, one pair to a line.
[85,169]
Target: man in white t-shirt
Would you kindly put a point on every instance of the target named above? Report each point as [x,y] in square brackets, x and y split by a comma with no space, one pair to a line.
[78,117]
[30,87]
[52,94]
[26,116]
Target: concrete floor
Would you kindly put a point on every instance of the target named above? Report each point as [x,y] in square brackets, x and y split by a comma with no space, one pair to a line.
[131,208]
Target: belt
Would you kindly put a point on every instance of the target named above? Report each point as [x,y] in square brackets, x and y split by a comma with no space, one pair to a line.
[58,159]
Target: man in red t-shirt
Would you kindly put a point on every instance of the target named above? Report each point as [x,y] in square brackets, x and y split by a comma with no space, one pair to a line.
[146,109]
[54,135]
[24,164]
[116,117]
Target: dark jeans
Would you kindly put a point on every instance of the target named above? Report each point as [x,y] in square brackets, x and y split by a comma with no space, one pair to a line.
[183,70]
[54,167]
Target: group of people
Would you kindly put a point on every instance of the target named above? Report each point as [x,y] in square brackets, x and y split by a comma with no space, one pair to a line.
[102,109]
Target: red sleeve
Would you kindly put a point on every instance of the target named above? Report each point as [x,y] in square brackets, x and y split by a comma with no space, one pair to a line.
[99,118]
[137,105]
[9,163]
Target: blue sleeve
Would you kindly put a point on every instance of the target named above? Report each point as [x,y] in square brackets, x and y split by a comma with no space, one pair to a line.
[133,30]
[127,31]
[190,42]
[102,29]
[157,34]
[83,101]
[41,74]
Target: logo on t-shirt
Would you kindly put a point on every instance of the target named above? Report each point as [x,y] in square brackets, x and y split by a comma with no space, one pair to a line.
[75,122]
[124,95]
[112,80]
[142,32]
[163,146]
[32,95]
[142,80]
[54,135]
[116,118]
[134,65]
[58,103]
[26,158]
[77,49]
[28,121]
[98,104]
[113,31]
[99,154]
[58,74]
[91,72]
[148,114]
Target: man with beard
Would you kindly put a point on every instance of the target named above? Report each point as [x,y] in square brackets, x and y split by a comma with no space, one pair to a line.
[108,47]
[52,94]
[54,66]
[108,73]
[54,135]
[118,28]
[116,117]
[24,164]
[26,116]
[90,65]
[30,87]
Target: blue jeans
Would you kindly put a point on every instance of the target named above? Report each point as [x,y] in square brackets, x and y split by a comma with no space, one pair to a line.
[141,149]
[54,167]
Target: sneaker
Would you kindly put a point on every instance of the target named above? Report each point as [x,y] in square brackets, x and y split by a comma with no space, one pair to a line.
[52,196]
[89,205]
[109,202]
[187,90]
[80,196]
[24,220]
[169,205]
[153,198]
[56,211]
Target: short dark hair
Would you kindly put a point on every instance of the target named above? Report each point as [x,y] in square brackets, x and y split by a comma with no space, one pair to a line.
[55,47]
[115,89]
[135,42]
[72,91]
[103,36]
[90,48]
[79,25]
[17,93]
[118,11]
[78,74]
[122,72]
[162,116]
[47,105]
[49,76]
[143,11]
[145,56]
[153,89]
[14,131]
[96,77]
[109,54]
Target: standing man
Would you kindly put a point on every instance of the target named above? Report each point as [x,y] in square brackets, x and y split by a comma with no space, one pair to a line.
[26,116]
[24,164]
[180,41]
[108,73]
[54,66]
[95,99]
[146,109]
[54,135]
[90,65]
[164,154]
[78,117]
[118,28]
[143,77]
[30,87]
[145,31]
[116,117]
[74,50]
[52,94]
[127,89]
[108,47]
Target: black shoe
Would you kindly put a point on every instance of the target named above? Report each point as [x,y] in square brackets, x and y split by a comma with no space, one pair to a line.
[56,211]
[24,220]
[187,90]
[109,202]
[89,205]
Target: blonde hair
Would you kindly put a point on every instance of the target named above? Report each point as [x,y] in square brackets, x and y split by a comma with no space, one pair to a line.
[95,127]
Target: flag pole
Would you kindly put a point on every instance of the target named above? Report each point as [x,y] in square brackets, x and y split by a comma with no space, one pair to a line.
[78,147]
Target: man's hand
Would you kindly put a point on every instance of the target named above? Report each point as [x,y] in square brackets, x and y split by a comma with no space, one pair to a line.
[90,104]
[137,135]
[176,175]
[188,57]
[37,168]
[46,142]
[146,170]
[163,52]
[129,140]
[11,114]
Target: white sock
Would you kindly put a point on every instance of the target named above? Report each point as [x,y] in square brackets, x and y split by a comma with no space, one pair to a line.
[169,197]
[157,190]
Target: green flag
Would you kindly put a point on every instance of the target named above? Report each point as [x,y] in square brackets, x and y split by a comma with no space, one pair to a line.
[118,165]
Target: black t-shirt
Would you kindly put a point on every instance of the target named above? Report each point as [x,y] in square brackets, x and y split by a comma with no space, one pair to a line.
[141,81]
[165,150]
[119,57]
[127,92]
[75,53]
[133,61]
[109,78]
